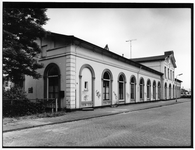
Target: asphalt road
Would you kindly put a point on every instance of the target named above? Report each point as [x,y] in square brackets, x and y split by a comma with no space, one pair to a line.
[165,126]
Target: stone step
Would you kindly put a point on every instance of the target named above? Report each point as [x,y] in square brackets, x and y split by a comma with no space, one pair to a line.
[87,109]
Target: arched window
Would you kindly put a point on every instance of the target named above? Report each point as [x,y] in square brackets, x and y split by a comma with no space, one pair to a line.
[159,90]
[121,88]
[133,88]
[165,90]
[141,84]
[106,86]
[148,89]
[169,91]
[154,90]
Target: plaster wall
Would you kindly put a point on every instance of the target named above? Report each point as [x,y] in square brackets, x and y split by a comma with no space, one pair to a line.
[101,62]
[156,65]
[38,84]
[74,77]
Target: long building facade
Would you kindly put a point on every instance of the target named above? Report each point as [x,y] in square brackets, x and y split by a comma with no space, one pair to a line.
[80,74]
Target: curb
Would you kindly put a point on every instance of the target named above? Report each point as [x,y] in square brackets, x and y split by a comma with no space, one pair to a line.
[89,117]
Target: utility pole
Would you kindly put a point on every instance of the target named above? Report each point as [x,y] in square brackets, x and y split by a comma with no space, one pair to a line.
[131,46]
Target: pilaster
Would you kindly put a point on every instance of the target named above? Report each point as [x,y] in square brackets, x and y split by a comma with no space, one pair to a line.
[70,82]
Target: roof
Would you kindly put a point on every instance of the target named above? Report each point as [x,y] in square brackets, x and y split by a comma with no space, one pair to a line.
[149,59]
[169,54]
[93,47]
[177,80]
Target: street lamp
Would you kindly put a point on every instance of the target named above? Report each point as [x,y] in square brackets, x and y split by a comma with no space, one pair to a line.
[176,84]
[131,46]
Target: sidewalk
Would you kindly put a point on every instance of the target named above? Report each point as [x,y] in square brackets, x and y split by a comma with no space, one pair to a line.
[81,115]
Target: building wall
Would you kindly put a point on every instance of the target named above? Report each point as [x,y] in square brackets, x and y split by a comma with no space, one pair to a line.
[156,65]
[168,79]
[99,63]
[81,76]
[38,84]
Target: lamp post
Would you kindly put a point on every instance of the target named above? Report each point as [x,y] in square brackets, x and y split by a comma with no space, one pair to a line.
[176,84]
[131,46]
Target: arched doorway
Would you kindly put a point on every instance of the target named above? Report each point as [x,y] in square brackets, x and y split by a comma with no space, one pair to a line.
[159,90]
[121,87]
[106,87]
[141,84]
[133,88]
[165,90]
[154,90]
[148,90]
[86,86]
[52,82]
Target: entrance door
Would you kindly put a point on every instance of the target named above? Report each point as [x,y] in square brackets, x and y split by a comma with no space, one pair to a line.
[86,88]
[52,82]
[133,88]
[106,88]
[53,87]
[141,89]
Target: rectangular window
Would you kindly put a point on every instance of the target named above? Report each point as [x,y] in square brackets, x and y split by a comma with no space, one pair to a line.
[165,72]
[132,91]
[159,93]
[148,92]
[30,90]
[141,91]
[154,92]
[86,86]
[106,90]
[168,73]
[173,75]
[120,90]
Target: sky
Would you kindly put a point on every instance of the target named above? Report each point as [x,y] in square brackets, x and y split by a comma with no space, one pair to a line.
[155,31]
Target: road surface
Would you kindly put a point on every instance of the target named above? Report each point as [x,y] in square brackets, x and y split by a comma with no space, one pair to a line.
[162,126]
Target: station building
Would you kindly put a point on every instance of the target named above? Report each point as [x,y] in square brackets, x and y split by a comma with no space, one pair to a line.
[80,74]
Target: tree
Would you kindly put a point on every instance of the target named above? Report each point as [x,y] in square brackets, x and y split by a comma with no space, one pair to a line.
[21,28]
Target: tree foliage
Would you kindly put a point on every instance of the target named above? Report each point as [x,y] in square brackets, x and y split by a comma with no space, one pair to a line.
[21,28]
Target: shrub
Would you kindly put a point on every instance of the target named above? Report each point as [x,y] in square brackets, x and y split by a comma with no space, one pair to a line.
[14,93]
[15,103]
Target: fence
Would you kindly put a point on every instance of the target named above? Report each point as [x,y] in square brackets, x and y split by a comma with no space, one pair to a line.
[28,106]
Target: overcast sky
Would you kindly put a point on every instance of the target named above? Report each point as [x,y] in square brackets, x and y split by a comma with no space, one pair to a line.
[156,31]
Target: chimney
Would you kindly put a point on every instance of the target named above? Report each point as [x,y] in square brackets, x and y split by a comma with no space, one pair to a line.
[167,53]
[106,47]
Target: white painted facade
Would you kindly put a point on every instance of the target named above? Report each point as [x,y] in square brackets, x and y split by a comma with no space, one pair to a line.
[90,76]
[167,67]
